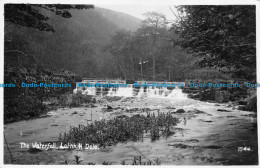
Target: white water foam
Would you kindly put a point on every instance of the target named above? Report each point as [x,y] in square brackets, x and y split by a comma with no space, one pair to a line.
[153,92]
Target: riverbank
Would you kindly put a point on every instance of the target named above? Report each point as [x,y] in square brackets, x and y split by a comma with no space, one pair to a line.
[208,134]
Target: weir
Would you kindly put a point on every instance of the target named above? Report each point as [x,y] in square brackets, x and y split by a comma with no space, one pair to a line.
[130,90]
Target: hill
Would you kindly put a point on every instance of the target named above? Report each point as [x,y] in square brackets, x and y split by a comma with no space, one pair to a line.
[77,43]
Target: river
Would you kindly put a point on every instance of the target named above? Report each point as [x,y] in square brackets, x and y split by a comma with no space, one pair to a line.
[208,133]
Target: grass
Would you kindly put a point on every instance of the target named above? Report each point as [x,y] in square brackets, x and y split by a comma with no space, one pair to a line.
[113,131]
[137,160]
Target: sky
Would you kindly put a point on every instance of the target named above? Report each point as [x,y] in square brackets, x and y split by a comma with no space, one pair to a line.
[138,10]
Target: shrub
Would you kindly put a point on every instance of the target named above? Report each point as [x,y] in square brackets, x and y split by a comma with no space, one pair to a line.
[23,103]
[63,100]
[79,99]
[252,104]
[222,96]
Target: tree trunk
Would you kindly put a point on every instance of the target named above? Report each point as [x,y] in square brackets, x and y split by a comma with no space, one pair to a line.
[154,68]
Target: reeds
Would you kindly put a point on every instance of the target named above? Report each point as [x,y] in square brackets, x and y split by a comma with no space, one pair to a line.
[137,160]
[110,132]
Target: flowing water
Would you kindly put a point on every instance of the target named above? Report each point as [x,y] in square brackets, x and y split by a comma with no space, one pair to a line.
[208,134]
[131,91]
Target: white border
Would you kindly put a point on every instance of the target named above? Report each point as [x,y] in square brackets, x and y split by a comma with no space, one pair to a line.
[120,2]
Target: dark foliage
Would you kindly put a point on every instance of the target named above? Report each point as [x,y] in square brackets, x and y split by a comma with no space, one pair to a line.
[76,44]
[223,36]
[29,15]
[27,102]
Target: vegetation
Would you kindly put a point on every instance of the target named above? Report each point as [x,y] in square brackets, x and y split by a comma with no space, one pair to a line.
[29,15]
[148,53]
[109,132]
[81,51]
[154,50]
[33,56]
[223,37]
[28,102]
[252,104]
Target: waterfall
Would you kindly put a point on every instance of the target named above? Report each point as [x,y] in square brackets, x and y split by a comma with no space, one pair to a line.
[110,92]
[90,91]
[125,92]
[130,91]
[177,94]
[75,91]
[141,92]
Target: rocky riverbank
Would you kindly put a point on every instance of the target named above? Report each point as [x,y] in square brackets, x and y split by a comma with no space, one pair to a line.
[206,134]
[243,96]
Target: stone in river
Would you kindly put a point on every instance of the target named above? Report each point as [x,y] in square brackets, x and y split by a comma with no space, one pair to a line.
[243,108]
[169,107]
[223,110]
[34,150]
[180,111]
[109,107]
[242,102]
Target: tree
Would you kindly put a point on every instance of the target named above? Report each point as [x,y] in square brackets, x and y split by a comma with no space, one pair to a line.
[132,55]
[29,15]
[223,36]
[119,47]
[154,21]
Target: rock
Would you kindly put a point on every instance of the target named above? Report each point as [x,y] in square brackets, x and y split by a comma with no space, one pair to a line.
[93,100]
[223,110]
[122,116]
[74,112]
[109,107]
[136,116]
[192,140]
[194,96]
[250,115]
[90,105]
[196,111]
[180,111]
[209,121]
[213,147]
[243,108]
[241,102]
[217,104]
[34,150]
[115,98]
[106,110]
[169,107]
[207,94]
[180,145]
[148,109]
[231,117]
[131,110]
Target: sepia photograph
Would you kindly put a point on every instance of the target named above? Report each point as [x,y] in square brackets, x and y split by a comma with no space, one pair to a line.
[129,84]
